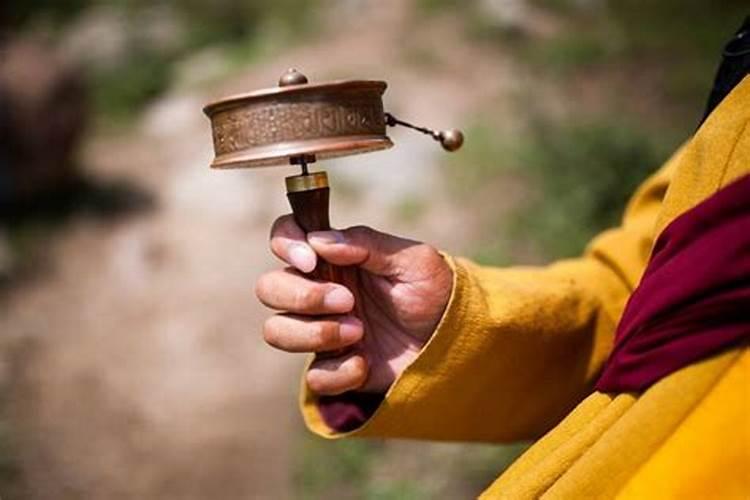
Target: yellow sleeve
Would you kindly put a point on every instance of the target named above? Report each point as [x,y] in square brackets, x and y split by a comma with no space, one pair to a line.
[517,347]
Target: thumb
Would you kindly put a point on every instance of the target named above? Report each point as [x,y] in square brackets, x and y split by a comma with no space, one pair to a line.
[361,246]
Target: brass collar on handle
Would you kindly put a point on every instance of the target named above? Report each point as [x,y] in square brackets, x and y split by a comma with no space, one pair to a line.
[308,182]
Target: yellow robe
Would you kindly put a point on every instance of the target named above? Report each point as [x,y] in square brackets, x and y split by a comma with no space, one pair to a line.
[519,348]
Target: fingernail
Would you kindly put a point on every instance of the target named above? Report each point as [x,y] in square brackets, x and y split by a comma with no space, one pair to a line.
[302,257]
[326,237]
[350,330]
[339,299]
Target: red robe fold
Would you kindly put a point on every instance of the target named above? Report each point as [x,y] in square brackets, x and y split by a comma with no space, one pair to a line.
[694,298]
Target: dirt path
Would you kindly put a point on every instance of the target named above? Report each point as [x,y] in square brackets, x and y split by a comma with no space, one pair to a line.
[142,370]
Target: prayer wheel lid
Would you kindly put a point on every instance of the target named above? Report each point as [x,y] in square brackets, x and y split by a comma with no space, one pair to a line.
[280,125]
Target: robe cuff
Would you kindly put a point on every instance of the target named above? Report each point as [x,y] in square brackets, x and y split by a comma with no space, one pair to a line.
[368,414]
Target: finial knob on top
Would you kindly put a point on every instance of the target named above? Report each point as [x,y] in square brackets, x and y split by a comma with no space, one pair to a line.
[451,140]
[292,77]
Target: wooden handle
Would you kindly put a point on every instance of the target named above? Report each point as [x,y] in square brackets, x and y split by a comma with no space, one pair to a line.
[310,209]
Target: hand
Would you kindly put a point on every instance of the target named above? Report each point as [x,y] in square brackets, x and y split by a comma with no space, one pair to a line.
[370,327]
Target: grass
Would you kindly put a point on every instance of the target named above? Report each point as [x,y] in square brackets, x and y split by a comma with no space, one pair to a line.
[331,469]
[397,490]
[404,470]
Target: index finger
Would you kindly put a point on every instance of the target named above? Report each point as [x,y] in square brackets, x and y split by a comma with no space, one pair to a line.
[288,243]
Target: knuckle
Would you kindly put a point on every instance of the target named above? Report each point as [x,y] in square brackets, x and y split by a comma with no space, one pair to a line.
[324,334]
[318,335]
[308,297]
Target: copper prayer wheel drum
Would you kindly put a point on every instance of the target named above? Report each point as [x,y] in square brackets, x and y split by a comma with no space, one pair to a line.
[279,125]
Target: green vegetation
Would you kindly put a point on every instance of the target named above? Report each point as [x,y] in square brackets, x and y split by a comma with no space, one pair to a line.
[570,51]
[121,90]
[483,463]
[634,77]
[331,469]
[242,29]
[410,209]
[397,490]
[376,470]
[579,177]
[677,41]
[671,45]
[584,174]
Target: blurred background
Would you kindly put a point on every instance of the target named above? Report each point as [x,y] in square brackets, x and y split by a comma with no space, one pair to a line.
[131,363]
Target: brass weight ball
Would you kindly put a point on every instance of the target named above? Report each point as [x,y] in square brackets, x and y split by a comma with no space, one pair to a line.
[452,139]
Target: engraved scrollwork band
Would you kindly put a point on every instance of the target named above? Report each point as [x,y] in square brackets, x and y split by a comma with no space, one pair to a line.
[262,131]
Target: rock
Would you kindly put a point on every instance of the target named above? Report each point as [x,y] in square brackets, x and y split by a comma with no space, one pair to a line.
[42,117]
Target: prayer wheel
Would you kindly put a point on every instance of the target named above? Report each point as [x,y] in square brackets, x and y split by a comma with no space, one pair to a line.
[298,123]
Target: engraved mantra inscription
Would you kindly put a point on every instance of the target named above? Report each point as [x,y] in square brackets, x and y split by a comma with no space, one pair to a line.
[274,123]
